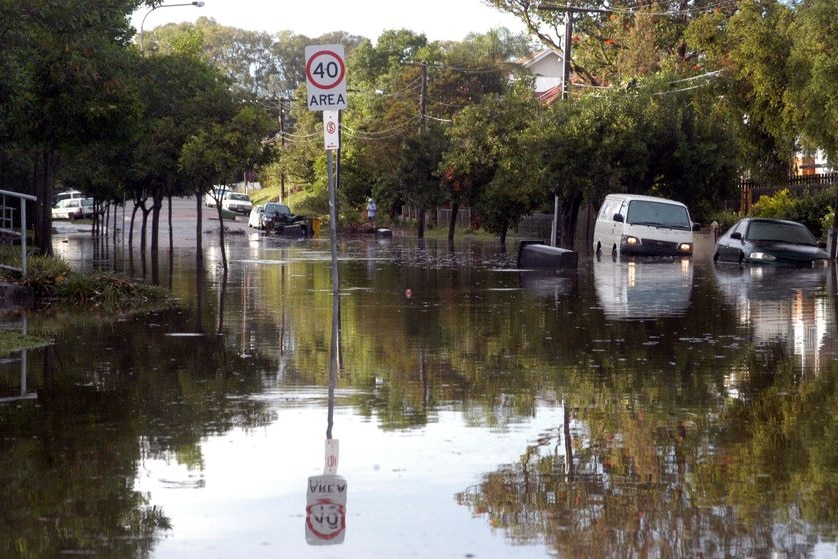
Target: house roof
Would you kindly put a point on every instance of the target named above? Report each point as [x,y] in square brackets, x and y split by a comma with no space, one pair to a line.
[551,95]
[533,59]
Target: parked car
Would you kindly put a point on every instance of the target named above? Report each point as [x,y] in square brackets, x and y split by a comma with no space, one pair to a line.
[631,224]
[254,220]
[71,208]
[87,208]
[272,209]
[769,241]
[236,202]
[277,217]
[217,193]
[65,195]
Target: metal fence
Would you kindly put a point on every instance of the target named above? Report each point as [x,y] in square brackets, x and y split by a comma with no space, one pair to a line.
[751,191]
[13,223]
[443,217]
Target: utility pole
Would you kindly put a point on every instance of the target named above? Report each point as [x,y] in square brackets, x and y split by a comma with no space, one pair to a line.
[282,143]
[568,35]
[423,96]
[420,217]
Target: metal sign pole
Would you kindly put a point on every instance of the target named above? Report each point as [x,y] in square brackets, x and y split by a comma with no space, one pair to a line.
[333,235]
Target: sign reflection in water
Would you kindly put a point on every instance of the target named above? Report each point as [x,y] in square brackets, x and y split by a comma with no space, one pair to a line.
[513,419]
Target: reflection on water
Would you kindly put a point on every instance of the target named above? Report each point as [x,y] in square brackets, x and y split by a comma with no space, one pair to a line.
[634,408]
[638,288]
[785,306]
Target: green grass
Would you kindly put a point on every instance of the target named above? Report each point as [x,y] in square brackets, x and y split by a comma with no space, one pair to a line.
[11,342]
[53,280]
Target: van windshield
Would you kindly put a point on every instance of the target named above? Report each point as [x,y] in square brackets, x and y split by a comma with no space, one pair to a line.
[658,214]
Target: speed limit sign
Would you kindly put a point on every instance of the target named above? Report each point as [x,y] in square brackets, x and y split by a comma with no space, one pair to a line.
[325,77]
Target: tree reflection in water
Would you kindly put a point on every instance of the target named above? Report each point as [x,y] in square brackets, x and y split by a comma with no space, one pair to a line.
[757,475]
[708,430]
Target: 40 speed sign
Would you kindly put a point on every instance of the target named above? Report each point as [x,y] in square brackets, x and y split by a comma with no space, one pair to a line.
[325,77]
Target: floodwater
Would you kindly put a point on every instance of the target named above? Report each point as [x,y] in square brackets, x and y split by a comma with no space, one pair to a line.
[663,408]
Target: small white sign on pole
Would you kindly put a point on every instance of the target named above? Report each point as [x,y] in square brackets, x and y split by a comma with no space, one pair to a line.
[331,129]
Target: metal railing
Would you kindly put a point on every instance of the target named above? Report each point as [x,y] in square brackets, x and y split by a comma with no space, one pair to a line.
[11,228]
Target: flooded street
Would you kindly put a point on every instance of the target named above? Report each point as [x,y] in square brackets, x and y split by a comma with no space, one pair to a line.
[660,408]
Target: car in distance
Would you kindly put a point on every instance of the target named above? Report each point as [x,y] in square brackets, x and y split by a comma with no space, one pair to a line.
[64,194]
[217,193]
[236,202]
[776,242]
[71,208]
[254,220]
[274,210]
[87,208]
[262,215]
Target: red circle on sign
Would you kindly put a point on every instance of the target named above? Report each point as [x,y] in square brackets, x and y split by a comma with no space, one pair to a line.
[326,531]
[326,85]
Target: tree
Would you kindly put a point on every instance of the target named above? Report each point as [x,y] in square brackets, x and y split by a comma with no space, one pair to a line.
[182,96]
[417,171]
[221,152]
[483,164]
[405,80]
[813,69]
[750,50]
[614,42]
[66,65]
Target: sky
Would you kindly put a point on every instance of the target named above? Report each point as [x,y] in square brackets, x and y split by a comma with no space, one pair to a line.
[437,19]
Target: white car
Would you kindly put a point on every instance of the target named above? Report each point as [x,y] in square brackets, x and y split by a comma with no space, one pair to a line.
[237,202]
[73,208]
[65,195]
[217,193]
[255,218]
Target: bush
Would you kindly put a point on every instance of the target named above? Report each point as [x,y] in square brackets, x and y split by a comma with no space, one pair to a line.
[44,274]
[51,279]
[811,208]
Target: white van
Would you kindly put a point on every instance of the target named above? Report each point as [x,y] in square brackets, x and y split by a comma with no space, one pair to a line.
[631,224]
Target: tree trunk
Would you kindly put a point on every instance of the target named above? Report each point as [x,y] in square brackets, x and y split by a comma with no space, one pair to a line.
[452,224]
[420,223]
[156,208]
[44,177]
[199,248]
[568,213]
[171,231]
[502,236]
[221,237]
[143,236]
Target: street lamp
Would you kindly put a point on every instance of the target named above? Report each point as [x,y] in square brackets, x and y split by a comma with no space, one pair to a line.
[197,4]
